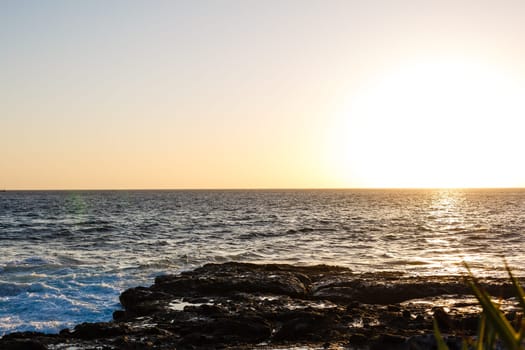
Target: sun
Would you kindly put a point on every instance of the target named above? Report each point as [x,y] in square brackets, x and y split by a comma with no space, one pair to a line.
[441,123]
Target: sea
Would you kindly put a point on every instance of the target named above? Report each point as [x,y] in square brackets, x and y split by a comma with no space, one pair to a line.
[65,256]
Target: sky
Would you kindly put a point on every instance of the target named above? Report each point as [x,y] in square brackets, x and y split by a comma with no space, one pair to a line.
[261,94]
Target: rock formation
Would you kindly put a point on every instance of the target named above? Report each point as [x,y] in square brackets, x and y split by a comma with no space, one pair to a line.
[246,306]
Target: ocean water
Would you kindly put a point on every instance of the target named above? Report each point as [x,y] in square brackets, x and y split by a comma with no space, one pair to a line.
[66,256]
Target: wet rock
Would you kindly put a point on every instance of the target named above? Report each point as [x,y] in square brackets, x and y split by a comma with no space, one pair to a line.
[305,325]
[358,339]
[21,335]
[141,301]
[468,323]
[393,308]
[230,330]
[65,332]
[379,292]
[22,345]
[90,331]
[237,279]
[208,310]
[442,318]
[119,315]
[389,341]
[237,305]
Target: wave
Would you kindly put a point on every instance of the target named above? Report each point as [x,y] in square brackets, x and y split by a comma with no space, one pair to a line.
[37,263]
[30,261]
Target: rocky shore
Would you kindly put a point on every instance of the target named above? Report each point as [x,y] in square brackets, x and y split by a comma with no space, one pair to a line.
[247,306]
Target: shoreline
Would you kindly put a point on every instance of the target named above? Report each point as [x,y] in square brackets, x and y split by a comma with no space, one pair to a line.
[277,306]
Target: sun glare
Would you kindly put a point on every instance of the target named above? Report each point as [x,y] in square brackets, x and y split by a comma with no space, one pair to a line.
[433,124]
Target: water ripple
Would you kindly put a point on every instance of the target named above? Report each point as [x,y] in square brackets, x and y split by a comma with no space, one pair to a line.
[66,256]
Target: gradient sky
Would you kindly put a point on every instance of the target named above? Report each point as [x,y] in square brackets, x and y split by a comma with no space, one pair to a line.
[257,94]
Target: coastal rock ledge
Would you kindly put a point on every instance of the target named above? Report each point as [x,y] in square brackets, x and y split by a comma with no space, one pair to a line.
[252,306]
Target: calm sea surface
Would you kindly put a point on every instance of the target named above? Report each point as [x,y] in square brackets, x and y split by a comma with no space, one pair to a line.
[66,256]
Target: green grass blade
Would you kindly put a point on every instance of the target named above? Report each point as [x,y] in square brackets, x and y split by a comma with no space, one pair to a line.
[520,294]
[481,333]
[490,337]
[496,319]
[441,345]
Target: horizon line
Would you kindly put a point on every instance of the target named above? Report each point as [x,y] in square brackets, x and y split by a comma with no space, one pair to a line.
[259,189]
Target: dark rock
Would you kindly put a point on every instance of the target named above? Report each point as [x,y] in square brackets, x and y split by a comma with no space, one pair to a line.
[358,339]
[379,292]
[208,310]
[443,319]
[468,323]
[251,330]
[143,301]
[232,281]
[22,335]
[65,332]
[119,315]
[90,331]
[393,308]
[22,344]
[306,326]
[352,305]
[238,305]
[389,341]
[426,341]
